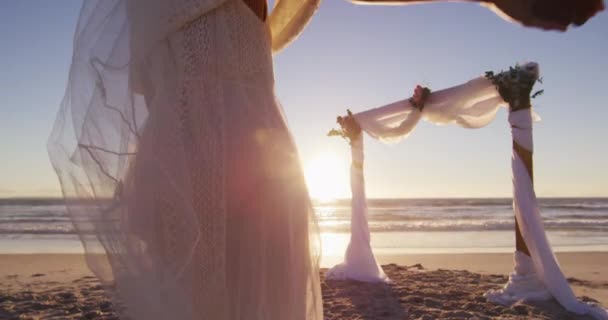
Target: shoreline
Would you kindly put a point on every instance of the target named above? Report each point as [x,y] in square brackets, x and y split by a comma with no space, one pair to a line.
[588,265]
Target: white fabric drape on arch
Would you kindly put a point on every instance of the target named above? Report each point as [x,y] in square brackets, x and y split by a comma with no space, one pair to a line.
[359,261]
[471,105]
[539,276]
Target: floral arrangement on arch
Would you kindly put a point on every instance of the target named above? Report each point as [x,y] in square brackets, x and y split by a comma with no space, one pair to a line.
[515,85]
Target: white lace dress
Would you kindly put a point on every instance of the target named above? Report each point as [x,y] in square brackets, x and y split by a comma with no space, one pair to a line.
[180,173]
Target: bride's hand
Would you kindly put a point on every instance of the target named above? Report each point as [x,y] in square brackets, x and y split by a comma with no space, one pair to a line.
[547,14]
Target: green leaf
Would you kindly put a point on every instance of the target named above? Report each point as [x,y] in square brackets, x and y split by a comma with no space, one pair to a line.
[538,93]
[334,132]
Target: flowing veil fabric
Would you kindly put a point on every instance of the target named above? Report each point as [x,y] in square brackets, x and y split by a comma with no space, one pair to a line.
[176,164]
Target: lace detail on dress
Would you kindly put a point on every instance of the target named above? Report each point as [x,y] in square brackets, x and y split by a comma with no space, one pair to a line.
[207,42]
[223,49]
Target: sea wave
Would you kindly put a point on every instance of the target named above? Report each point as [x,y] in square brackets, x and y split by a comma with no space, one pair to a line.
[35,220]
[484,225]
[581,207]
[374,225]
[36,232]
[40,217]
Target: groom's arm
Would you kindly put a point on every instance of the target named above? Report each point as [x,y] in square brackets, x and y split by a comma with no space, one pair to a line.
[544,14]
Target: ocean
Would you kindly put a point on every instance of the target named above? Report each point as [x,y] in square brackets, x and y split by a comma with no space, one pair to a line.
[397,226]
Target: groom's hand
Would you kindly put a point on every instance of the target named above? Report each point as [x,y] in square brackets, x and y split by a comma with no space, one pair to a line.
[547,14]
[544,14]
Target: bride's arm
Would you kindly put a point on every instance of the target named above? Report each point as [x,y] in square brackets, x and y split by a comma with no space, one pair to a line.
[544,14]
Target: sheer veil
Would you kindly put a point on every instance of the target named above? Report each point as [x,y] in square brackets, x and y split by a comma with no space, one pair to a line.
[121,50]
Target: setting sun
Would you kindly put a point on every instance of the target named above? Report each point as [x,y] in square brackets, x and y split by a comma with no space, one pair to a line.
[327,177]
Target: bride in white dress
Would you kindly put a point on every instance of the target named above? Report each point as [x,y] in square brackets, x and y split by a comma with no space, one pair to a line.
[177,166]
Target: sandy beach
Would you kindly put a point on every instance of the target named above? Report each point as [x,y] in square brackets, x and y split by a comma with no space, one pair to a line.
[433,286]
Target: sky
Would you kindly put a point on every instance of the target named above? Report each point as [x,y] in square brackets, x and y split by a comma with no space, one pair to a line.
[358,57]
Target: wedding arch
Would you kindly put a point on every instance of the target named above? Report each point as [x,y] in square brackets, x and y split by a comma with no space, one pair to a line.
[474,104]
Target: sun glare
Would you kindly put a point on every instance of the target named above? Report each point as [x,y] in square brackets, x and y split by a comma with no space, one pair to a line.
[327,177]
